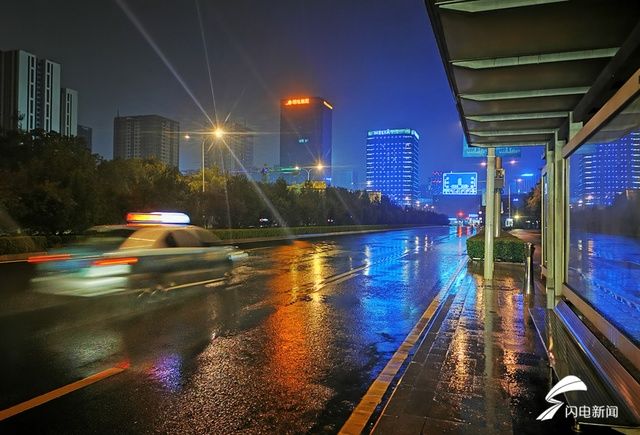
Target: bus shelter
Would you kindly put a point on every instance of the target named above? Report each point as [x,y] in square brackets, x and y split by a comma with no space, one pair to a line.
[564,75]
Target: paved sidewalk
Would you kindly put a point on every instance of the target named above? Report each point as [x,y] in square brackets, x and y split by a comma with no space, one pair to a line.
[480,368]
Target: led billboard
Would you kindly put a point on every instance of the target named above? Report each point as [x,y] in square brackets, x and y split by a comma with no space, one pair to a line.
[460,183]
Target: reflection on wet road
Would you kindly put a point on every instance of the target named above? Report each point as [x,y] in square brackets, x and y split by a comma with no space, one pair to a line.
[288,342]
[605,270]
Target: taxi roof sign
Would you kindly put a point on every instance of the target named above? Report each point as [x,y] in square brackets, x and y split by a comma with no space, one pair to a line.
[158,217]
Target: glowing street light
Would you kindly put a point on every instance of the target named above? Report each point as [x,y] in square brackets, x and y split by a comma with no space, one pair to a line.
[219,133]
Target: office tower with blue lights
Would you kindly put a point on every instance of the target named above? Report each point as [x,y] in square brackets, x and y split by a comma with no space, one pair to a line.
[305,135]
[608,170]
[392,164]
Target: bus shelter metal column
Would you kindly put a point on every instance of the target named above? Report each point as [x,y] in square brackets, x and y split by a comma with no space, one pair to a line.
[489,216]
[551,224]
[559,190]
[561,243]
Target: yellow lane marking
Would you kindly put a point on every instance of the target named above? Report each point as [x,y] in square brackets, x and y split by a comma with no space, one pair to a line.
[361,415]
[58,392]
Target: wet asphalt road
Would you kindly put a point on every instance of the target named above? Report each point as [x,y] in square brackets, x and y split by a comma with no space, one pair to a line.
[288,342]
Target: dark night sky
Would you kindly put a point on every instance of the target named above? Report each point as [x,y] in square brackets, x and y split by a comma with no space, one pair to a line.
[376,61]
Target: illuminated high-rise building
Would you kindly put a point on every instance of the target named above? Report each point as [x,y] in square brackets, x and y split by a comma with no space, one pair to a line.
[392,164]
[607,170]
[305,135]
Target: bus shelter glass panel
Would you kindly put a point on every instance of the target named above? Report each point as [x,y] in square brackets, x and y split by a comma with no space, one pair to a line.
[604,221]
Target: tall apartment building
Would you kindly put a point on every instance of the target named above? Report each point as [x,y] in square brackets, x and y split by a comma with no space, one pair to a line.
[238,141]
[18,81]
[146,137]
[48,95]
[392,164]
[86,133]
[31,96]
[68,112]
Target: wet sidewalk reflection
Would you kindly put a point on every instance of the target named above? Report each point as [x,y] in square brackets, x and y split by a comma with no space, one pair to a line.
[481,367]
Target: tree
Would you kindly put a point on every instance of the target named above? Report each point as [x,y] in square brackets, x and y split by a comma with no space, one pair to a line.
[48,181]
[534,202]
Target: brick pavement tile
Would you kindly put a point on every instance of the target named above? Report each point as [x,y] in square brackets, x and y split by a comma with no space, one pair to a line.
[386,424]
[411,374]
[439,426]
[409,425]
[419,403]
[430,374]
[401,395]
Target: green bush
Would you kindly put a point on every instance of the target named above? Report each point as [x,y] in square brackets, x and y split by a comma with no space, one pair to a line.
[26,244]
[250,233]
[56,240]
[506,248]
[22,244]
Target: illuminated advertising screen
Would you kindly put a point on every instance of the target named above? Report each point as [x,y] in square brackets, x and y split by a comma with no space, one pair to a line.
[460,183]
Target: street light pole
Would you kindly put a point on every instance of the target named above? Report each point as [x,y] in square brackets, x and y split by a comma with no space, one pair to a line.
[318,167]
[509,200]
[204,139]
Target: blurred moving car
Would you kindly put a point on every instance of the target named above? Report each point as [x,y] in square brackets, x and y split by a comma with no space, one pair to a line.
[153,252]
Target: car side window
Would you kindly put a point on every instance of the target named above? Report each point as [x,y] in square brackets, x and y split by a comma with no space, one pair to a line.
[185,239]
[170,241]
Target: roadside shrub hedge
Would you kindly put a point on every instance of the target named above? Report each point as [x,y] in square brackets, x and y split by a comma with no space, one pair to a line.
[507,247]
[250,233]
[25,244]
[22,244]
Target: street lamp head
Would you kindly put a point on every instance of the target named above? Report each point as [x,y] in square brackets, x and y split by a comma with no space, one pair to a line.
[297,168]
[319,166]
[218,132]
[187,137]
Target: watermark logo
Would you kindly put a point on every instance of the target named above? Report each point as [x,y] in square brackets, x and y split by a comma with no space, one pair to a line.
[566,384]
[574,383]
